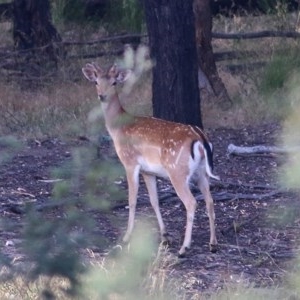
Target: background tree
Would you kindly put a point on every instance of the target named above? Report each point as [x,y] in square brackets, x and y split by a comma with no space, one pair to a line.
[206,60]
[33,28]
[171,30]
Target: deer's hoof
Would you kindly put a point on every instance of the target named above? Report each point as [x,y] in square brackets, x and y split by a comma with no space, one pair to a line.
[213,248]
[182,252]
[166,239]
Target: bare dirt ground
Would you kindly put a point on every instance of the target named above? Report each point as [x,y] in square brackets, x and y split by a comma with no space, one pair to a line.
[257,222]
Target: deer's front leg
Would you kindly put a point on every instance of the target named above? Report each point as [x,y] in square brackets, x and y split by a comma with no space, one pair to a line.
[150,181]
[132,175]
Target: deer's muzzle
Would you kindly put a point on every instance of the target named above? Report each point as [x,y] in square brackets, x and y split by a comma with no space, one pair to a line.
[102,97]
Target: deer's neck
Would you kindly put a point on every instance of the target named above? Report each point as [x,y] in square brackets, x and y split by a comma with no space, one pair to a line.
[114,114]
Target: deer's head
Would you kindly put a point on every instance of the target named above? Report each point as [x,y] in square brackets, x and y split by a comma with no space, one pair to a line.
[105,80]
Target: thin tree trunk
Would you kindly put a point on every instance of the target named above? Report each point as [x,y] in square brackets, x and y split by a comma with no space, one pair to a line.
[206,61]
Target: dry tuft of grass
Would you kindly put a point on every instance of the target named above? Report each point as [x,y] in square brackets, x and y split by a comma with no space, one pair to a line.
[20,288]
[51,111]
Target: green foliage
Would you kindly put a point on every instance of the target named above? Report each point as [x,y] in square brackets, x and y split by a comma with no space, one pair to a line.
[277,80]
[68,11]
[271,6]
[290,171]
[53,246]
[8,146]
[124,273]
[266,5]
[73,10]
[279,70]
[57,10]
[290,136]
[126,15]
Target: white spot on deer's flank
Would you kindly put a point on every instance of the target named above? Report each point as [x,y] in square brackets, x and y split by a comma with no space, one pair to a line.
[179,155]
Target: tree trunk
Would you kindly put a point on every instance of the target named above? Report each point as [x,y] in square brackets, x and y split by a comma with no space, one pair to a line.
[171,29]
[206,61]
[33,29]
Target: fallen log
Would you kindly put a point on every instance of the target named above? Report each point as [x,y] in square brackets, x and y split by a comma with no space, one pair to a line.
[260,149]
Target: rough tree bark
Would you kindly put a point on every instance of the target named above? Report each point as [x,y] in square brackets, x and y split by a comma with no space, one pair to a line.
[171,30]
[206,61]
[33,29]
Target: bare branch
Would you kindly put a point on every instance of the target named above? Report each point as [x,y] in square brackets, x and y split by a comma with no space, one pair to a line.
[125,38]
[256,35]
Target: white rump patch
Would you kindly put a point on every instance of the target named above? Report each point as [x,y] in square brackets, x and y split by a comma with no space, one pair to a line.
[197,163]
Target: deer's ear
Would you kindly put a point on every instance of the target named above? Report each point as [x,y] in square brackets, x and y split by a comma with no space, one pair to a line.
[90,72]
[123,75]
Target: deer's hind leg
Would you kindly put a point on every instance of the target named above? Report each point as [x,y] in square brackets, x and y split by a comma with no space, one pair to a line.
[203,185]
[182,189]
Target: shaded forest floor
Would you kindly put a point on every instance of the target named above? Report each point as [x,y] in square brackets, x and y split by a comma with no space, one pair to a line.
[257,222]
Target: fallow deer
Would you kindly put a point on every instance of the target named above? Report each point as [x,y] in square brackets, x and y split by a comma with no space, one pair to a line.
[155,147]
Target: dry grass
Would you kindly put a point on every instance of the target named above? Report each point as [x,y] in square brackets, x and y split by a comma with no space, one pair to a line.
[129,275]
[47,112]
[137,272]
[61,106]
[20,288]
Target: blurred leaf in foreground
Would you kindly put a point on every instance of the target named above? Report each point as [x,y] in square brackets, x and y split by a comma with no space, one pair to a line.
[8,146]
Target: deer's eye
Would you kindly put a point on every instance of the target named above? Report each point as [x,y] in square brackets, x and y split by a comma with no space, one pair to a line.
[114,83]
[96,82]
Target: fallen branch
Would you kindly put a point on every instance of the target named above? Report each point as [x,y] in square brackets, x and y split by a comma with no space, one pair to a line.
[261,149]
[230,55]
[98,54]
[236,227]
[229,184]
[237,68]
[223,196]
[256,35]
[125,38]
